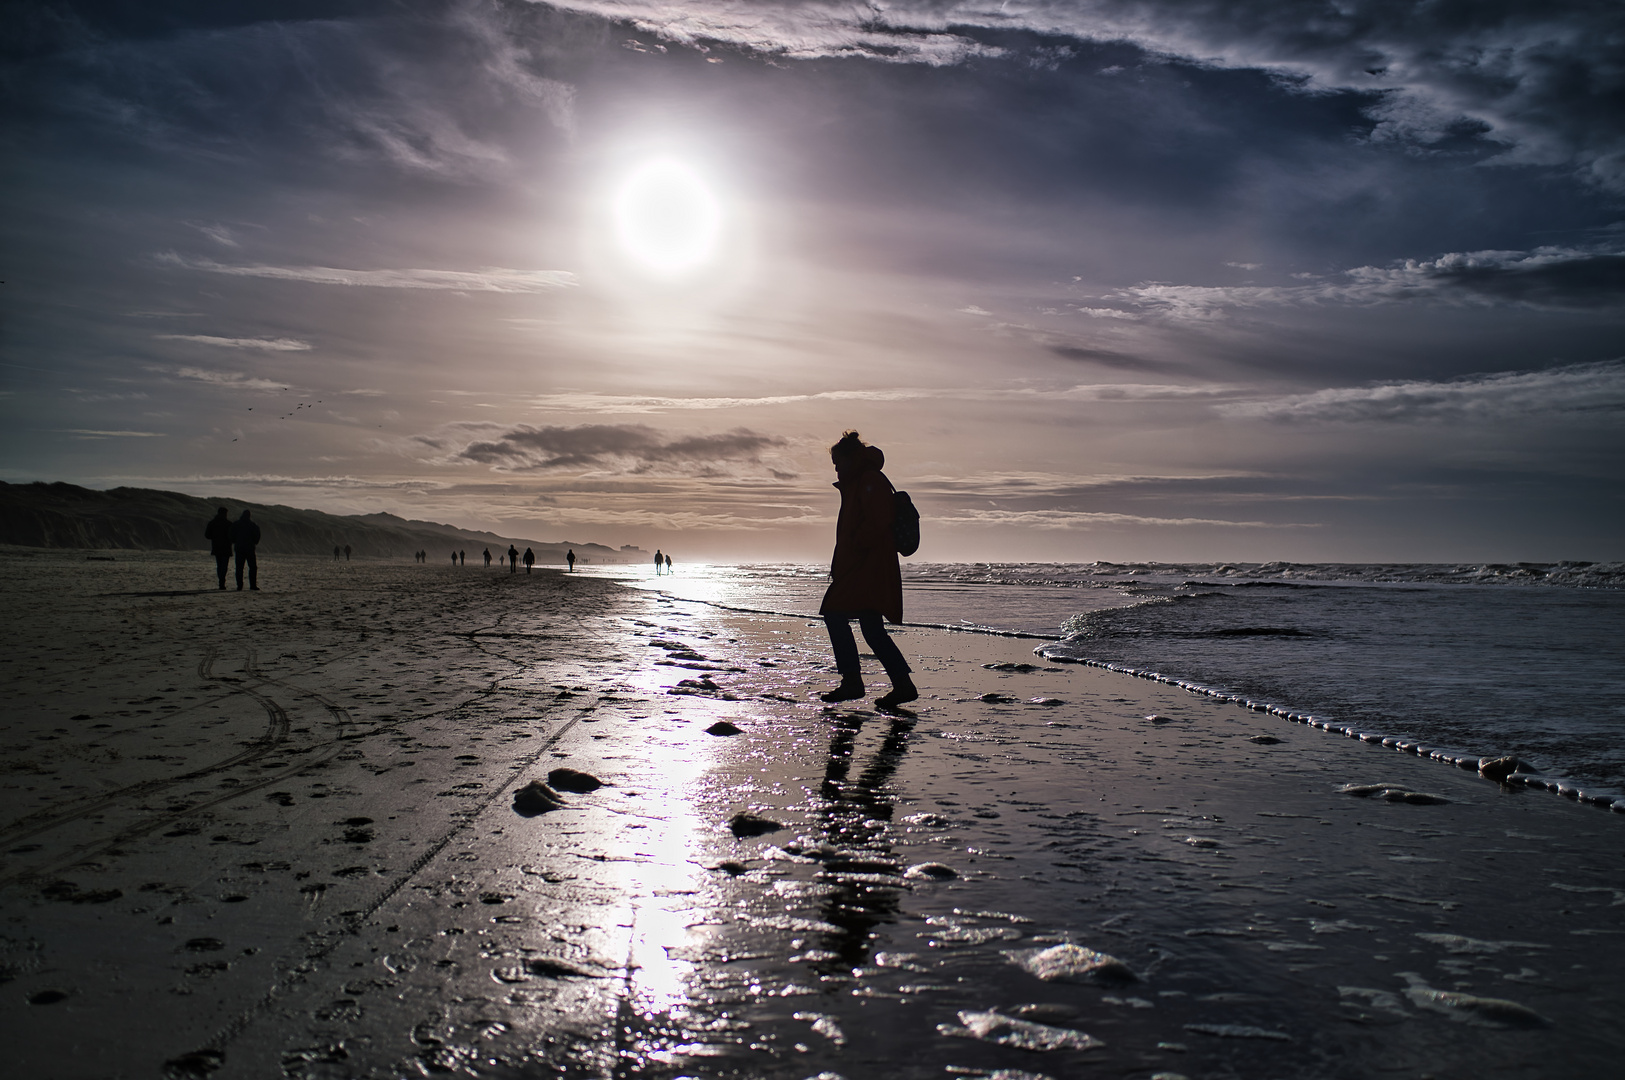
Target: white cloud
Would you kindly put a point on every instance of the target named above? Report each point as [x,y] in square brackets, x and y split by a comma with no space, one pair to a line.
[677,521]
[1549,277]
[236,380]
[584,401]
[92,434]
[1082,520]
[218,233]
[269,344]
[1107,313]
[796,30]
[490,279]
[1576,390]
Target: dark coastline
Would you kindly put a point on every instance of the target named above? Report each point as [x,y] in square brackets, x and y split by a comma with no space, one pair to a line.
[60,515]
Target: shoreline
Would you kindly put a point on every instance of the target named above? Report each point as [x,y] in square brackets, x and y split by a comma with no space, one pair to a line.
[1583,792]
[356,895]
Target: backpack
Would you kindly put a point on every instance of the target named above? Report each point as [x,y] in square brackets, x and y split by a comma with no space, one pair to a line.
[905,524]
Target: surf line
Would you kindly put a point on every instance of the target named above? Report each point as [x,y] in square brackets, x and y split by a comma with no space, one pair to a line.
[985,631]
[1519,774]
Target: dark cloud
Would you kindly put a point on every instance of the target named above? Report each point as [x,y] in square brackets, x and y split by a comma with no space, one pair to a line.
[1551,278]
[1574,391]
[1104,357]
[624,447]
[1541,78]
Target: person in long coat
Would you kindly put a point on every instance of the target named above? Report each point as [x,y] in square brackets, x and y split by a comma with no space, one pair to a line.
[866,582]
[218,534]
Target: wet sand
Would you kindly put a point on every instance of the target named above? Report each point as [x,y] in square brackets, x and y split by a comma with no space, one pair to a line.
[275,835]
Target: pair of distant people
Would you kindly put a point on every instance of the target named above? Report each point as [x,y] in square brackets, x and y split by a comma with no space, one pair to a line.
[662,563]
[238,538]
[344,551]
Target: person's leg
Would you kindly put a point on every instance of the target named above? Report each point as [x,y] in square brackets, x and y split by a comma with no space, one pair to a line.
[253,571]
[890,657]
[222,565]
[846,660]
[239,569]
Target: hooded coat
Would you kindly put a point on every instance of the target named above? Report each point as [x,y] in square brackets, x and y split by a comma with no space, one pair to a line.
[864,572]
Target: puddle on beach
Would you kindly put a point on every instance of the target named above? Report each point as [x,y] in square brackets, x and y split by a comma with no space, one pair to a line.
[1022,877]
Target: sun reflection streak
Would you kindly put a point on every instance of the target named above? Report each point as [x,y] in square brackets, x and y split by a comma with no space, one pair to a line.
[661,882]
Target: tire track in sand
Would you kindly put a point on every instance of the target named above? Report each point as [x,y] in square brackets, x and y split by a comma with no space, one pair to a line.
[296,972]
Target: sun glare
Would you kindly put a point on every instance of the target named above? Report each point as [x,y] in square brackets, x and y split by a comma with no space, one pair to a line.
[667,218]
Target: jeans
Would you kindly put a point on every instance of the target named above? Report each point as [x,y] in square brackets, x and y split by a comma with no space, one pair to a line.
[245,556]
[880,643]
[222,563]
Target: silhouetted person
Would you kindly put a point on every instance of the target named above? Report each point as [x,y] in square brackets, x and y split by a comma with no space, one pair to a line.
[668,564]
[346,552]
[336,553]
[218,533]
[462,558]
[488,558]
[513,559]
[569,557]
[245,536]
[866,583]
[530,559]
[660,561]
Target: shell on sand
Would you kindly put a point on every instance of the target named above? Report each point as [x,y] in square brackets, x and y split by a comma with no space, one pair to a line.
[1072,963]
[1470,1008]
[536,798]
[995,1027]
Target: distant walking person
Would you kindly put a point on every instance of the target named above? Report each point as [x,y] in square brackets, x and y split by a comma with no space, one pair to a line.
[218,534]
[346,552]
[530,559]
[866,583]
[660,561]
[245,537]
[462,558]
[336,553]
[488,558]
[570,557]
[513,559]
[668,564]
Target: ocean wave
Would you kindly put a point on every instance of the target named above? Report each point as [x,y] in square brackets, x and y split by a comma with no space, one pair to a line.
[1571,574]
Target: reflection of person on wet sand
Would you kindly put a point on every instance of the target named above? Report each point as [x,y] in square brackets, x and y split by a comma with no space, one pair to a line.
[218,534]
[855,818]
[866,583]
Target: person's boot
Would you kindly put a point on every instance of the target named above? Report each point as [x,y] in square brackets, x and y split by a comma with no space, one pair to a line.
[851,689]
[902,692]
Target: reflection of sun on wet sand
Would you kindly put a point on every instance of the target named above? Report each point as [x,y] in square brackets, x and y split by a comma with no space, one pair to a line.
[277,835]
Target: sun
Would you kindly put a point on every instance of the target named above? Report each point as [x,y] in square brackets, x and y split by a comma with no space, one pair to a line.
[668,220]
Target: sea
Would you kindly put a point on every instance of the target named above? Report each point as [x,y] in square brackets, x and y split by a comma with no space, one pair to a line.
[1524,659]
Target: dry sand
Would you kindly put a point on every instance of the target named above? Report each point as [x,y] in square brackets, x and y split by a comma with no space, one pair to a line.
[275,835]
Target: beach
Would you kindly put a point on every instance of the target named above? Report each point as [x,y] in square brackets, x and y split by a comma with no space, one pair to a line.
[277,834]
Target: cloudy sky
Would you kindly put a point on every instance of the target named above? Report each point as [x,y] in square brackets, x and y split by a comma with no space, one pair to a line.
[1106,279]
